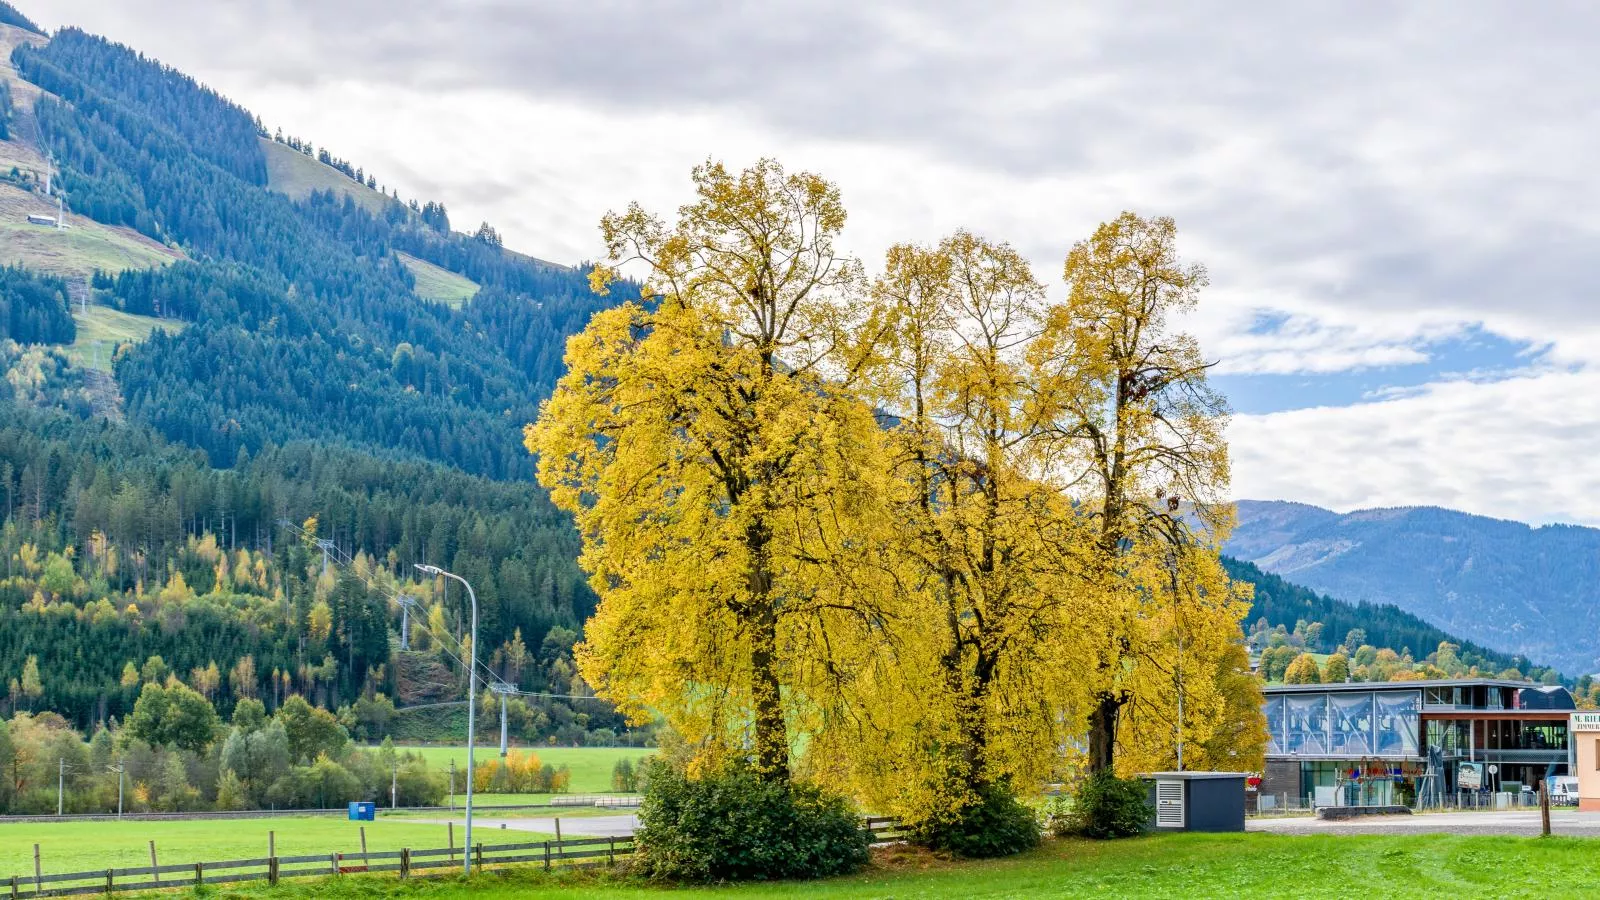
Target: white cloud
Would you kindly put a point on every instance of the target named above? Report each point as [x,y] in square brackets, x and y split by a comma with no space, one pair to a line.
[1370,180]
[1520,448]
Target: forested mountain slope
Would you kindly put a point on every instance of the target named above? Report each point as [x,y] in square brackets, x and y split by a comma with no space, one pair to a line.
[311,381]
[1325,623]
[1506,585]
[335,344]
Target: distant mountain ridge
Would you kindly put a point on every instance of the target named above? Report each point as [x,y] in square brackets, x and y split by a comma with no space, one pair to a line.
[1506,585]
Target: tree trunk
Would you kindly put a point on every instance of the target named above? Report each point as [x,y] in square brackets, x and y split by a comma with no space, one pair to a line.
[1103,732]
[771,733]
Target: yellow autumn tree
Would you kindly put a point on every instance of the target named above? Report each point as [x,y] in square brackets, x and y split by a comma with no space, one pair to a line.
[1150,471]
[706,446]
[1303,671]
[969,681]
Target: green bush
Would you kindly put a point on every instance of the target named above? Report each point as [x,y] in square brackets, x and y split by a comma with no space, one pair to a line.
[997,824]
[1058,818]
[1110,807]
[732,826]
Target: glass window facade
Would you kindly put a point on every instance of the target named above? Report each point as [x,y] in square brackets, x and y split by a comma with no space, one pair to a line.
[1307,733]
[1345,724]
[1350,732]
[1274,708]
[1397,717]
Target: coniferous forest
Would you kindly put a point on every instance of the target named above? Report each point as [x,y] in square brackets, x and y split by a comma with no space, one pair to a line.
[310,385]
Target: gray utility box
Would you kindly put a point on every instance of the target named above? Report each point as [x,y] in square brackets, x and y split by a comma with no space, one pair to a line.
[1196,801]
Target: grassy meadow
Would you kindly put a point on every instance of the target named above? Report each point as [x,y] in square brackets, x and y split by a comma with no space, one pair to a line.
[102,328]
[590,766]
[434,283]
[293,173]
[85,846]
[1166,866]
[74,252]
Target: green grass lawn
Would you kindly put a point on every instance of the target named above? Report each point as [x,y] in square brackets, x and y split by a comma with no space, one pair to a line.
[1168,866]
[434,283]
[590,766]
[84,846]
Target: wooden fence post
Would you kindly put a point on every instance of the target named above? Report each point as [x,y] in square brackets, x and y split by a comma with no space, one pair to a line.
[611,852]
[155,868]
[199,874]
[477,854]
[272,857]
[405,863]
[109,887]
[546,859]
[13,887]
[333,860]
[1544,809]
[365,862]
[558,829]
[38,884]
[450,830]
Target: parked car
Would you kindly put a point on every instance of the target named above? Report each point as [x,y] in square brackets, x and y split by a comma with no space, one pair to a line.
[1563,790]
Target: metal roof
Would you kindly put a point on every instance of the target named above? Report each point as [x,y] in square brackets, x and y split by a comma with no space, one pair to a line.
[1396,685]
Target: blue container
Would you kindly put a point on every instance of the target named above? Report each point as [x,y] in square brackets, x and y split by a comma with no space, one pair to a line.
[363,812]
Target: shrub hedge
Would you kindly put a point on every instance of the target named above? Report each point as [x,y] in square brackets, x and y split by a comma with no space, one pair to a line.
[996,824]
[734,826]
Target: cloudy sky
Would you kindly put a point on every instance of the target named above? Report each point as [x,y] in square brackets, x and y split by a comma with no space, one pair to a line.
[1396,202]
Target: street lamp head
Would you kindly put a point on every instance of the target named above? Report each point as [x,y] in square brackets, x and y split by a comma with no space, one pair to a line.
[426,569]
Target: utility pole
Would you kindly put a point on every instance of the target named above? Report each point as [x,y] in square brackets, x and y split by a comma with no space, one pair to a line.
[1177,669]
[394,787]
[502,690]
[61,785]
[119,768]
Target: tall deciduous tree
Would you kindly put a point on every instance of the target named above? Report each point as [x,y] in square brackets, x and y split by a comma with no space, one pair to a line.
[173,716]
[697,440]
[1149,434]
[970,674]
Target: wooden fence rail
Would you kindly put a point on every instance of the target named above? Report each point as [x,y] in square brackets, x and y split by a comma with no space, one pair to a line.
[406,862]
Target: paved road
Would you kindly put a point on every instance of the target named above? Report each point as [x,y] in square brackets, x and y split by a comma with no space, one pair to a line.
[584,826]
[1524,822]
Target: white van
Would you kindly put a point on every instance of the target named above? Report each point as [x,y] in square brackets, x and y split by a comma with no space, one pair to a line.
[1564,790]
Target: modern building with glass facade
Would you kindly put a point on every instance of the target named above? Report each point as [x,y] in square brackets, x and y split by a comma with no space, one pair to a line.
[1404,742]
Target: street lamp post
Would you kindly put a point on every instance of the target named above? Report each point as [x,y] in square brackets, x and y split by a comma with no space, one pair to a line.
[472,701]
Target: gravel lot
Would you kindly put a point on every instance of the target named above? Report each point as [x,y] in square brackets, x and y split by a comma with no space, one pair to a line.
[1523,822]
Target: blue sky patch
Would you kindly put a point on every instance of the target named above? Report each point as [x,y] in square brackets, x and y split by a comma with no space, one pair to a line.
[1476,354]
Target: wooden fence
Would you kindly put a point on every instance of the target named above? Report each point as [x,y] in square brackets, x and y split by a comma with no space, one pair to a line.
[405,863]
